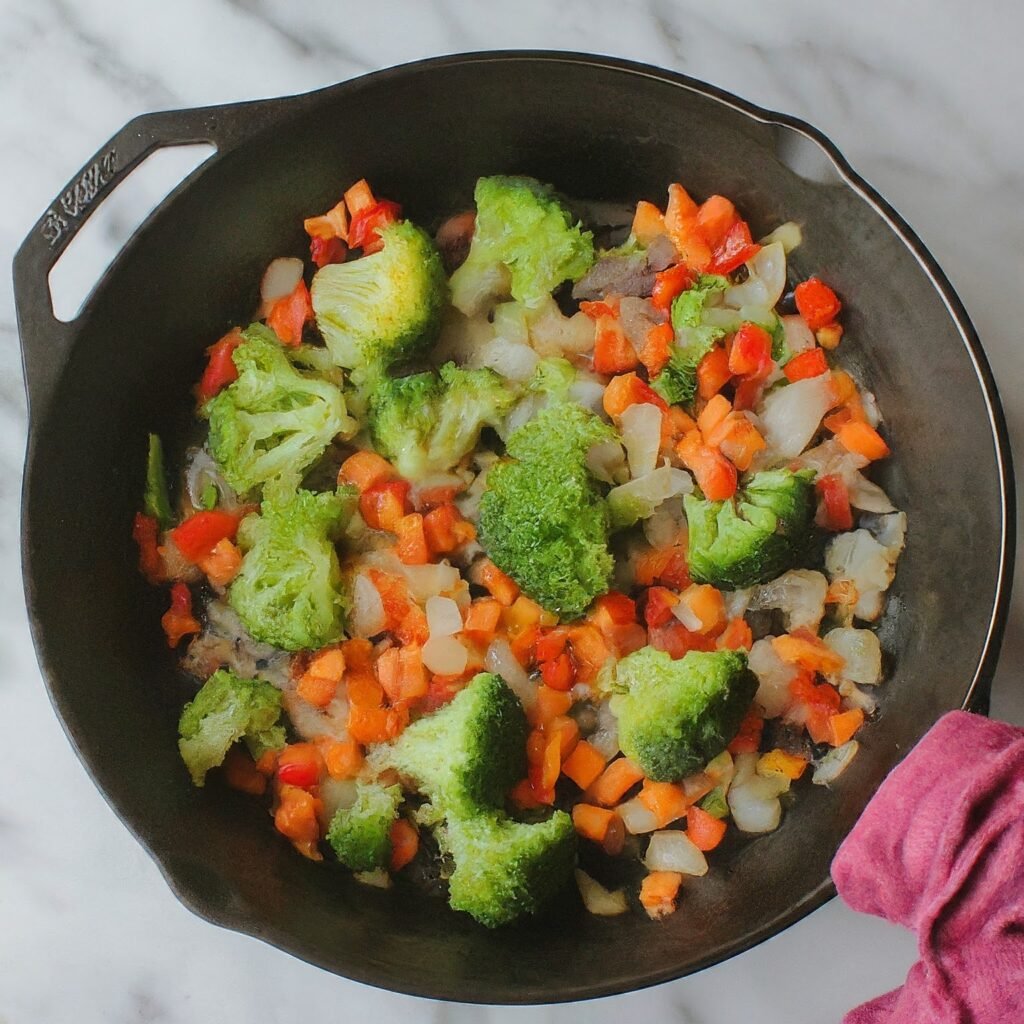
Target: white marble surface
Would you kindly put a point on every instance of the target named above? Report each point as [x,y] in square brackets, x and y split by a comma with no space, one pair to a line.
[925,100]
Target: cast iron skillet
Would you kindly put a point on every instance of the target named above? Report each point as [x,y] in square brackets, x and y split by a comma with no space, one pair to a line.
[422,133]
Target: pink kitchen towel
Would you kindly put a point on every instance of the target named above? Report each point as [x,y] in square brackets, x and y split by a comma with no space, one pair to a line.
[940,850]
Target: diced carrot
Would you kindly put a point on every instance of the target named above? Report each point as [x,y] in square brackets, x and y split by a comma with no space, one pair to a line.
[716,475]
[613,351]
[714,218]
[536,744]
[597,308]
[522,645]
[658,893]
[389,673]
[482,618]
[266,763]
[862,439]
[592,822]
[394,596]
[240,773]
[560,673]
[332,224]
[316,690]
[411,546]
[523,614]
[679,204]
[550,644]
[816,302]
[567,731]
[358,653]
[544,775]
[178,621]
[808,652]
[779,762]
[657,348]
[844,387]
[829,336]
[713,372]
[590,651]
[550,704]
[222,564]
[523,797]
[748,738]
[446,530]
[328,663]
[614,782]
[503,588]
[684,230]
[665,800]
[707,605]
[374,725]
[738,440]
[811,363]
[412,674]
[668,284]
[628,389]
[297,818]
[413,628]
[359,197]
[344,759]
[648,222]
[288,315]
[704,830]
[737,636]
[365,469]
[363,690]
[383,505]
[843,726]
[405,843]
[584,764]
[619,608]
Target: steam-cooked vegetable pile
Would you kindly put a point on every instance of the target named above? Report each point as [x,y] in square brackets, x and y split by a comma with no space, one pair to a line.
[526,547]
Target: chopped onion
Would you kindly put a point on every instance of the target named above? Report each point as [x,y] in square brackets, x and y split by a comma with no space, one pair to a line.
[443,616]
[687,616]
[861,653]
[867,495]
[737,602]
[830,458]
[766,280]
[641,434]
[599,900]
[552,334]
[870,565]
[788,235]
[666,524]
[461,336]
[607,462]
[870,406]
[280,278]
[791,416]
[854,697]
[367,617]
[753,799]
[696,786]
[379,878]
[512,360]
[834,763]
[589,393]
[500,660]
[637,817]
[201,473]
[799,337]
[605,738]
[671,850]
[773,676]
[445,655]
[721,769]
[473,288]
[638,498]
[799,594]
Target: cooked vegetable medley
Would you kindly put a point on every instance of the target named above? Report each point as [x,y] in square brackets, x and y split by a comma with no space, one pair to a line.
[536,546]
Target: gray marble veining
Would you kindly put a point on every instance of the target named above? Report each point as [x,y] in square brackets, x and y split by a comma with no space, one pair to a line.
[922,97]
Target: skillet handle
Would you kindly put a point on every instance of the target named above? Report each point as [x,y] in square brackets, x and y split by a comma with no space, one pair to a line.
[45,340]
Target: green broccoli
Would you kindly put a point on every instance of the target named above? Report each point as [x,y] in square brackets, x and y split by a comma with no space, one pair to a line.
[224,711]
[361,834]
[553,377]
[385,308]
[273,423]
[754,537]
[427,422]
[288,591]
[543,519]
[156,501]
[525,243]
[675,715]
[504,868]
[466,756]
[694,339]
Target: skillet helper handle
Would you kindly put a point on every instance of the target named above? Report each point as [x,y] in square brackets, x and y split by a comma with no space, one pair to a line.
[45,340]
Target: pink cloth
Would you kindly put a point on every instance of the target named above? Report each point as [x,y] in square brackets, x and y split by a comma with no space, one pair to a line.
[940,850]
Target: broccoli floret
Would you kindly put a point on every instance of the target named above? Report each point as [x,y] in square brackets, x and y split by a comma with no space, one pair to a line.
[694,339]
[754,537]
[225,710]
[384,308]
[466,756]
[273,423]
[504,868]
[553,377]
[288,591]
[361,834]
[525,243]
[543,519]
[676,715]
[427,422]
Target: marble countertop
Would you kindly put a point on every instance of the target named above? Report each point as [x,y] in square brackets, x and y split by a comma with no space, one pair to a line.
[923,100]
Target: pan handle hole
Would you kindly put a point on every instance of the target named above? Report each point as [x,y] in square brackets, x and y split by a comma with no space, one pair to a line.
[87,257]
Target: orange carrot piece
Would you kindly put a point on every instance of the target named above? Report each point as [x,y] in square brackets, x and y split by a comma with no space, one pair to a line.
[808,652]
[405,843]
[862,439]
[359,197]
[316,690]
[665,800]
[707,604]
[737,636]
[411,545]
[658,893]
[503,588]
[297,817]
[584,764]
[549,705]
[240,773]
[779,762]
[592,822]
[713,373]
[843,726]
[364,470]
[704,830]
[713,414]
[222,564]
[363,690]
[412,677]
[648,222]
[748,738]
[344,759]
[332,224]
[614,782]
[568,733]
[482,618]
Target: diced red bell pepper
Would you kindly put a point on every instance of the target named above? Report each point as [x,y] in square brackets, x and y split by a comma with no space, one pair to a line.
[145,531]
[668,284]
[363,231]
[384,504]
[550,644]
[628,389]
[289,315]
[559,674]
[178,621]
[835,512]
[816,303]
[748,739]
[613,351]
[657,348]
[713,372]
[327,250]
[735,249]
[198,535]
[751,351]
[675,639]
[716,475]
[658,607]
[811,363]
[300,764]
[220,369]
[619,608]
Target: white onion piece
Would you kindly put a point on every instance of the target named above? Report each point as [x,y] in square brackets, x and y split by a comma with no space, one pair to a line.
[336,794]
[500,660]
[773,676]
[721,769]
[637,499]
[788,235]
[766,280]
[737,602]
[754,799]
[443,616]
[799,594]
[791,415]
[461,336]
[861,653]
[553,334]
[834,763]
[588,393]
[509,322]
[280,278]
[203,471]
[854,697]
[869,563]
[605,738]
[666,524]
[641,434]
[891,532]
[597,899]
[378,879]
[870,406]
[637,817]
[830,458]
[607,462]
[672,850]
[687,616]
[445,656]
[427,580]
[512,360]
[799,337]
[867,495]
[521,413]
[367,617]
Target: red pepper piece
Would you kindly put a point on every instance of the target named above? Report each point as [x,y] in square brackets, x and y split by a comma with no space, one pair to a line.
[220,370]
[737,247]
[201,533]
[811,363]
[145,531]
[363,231]
[178,620]
[327,250]
[816,303]
[290,314]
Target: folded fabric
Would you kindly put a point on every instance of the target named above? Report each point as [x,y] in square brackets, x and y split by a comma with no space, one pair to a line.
[940,850]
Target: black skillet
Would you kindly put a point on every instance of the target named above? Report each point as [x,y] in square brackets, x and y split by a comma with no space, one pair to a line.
[598,128]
